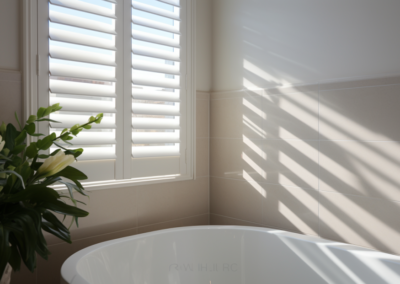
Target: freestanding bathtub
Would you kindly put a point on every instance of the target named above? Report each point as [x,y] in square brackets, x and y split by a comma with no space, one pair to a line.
[228,255]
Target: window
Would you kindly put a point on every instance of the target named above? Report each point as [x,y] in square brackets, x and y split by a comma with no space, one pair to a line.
[132,61]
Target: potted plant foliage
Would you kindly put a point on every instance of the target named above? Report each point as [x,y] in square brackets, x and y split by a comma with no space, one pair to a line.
[28,203]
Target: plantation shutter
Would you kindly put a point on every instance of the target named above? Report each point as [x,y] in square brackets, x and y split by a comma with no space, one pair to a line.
[158,89]
[83,76]
[126,59]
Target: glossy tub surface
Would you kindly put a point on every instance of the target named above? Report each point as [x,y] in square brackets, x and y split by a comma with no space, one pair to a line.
[228,255]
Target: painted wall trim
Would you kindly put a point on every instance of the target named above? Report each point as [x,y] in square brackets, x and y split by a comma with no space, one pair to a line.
[331,81]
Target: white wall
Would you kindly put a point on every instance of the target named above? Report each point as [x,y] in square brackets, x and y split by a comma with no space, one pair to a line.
[266,43]
[10,34]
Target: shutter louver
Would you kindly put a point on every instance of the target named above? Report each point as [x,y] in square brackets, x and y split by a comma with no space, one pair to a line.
[82,72]
[156,78]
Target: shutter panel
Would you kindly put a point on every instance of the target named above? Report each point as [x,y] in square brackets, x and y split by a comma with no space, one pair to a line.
[82,76]
[156,87]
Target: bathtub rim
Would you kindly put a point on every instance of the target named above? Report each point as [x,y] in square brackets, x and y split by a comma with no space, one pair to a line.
[69,269]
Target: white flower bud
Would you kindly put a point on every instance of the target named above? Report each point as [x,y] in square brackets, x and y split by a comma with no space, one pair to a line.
[2,143]
[55,164]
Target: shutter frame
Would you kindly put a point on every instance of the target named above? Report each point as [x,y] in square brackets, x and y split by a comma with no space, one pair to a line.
[73,89]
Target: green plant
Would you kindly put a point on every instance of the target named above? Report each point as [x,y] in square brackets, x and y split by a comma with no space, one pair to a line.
[27,202]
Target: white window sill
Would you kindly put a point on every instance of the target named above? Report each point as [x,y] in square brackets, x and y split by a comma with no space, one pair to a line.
[110,184]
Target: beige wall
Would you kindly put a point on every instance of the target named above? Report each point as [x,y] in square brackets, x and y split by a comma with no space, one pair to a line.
[321,157]
[10,34]
[118,212]
[10,49]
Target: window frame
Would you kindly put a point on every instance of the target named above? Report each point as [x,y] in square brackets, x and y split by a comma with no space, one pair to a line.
[32,68]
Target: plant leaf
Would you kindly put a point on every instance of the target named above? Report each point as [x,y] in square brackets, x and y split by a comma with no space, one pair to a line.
[30,128]
[15,258]
[62,208]
[48,119]
[72,174]
[37,193]
[19,124]
[32,150]
[21,138]
[5,157]
[18,149]
[4,248]
[10,135]
[16,174]
[46,142]
[40,112]
[3,128]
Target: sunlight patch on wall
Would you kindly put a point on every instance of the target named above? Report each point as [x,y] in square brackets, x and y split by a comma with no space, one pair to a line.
[254,108]
[254,184]
[254,147]
[254,165]
[254,127]
[296,221]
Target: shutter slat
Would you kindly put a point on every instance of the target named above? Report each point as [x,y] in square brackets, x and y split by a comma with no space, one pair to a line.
[80,39]
[91,138]
[155,67]
[170,2]
[67,121]
[154,151]
[81,73]
[154,123]
[64,19]
[85,89]
[84,7]
[154,137]
[142,94]
[96,153]
[155,10]
[155,82]
[143,36]
[81,56]
[155,53]
[154,25]
[81,105]
[155,109]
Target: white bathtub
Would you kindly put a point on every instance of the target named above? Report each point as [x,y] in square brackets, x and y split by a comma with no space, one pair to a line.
[228,255]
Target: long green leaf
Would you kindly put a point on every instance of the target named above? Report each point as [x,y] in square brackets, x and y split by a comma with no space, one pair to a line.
[27,225]
[62,208]
[71,187]
[15,258]
[19,124]
[72,174]
[48,227]
[50,217]
[5,251]
[14,173]
[11,134]
[34,193]
[5,157]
